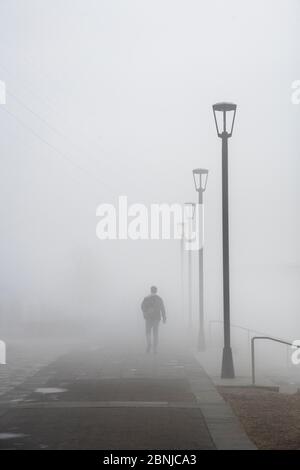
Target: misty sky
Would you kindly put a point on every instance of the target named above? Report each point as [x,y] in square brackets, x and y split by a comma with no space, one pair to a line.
[109,98]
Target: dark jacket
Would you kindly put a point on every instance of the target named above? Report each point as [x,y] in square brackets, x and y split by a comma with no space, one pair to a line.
[153,308]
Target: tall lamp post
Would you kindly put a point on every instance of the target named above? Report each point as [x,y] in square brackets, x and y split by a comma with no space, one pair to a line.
[189,214]
[224,115]
[200,179]
[181,228]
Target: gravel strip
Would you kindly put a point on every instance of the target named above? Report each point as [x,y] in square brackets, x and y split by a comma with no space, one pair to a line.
[271,419]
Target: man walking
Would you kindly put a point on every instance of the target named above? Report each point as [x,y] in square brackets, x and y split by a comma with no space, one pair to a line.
[154,310]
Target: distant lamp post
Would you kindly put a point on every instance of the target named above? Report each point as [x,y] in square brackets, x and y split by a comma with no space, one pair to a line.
[224,115]
[181,229]
[200,179]
[189,213]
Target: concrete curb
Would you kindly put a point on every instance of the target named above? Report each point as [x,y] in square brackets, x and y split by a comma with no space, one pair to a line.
[223,425]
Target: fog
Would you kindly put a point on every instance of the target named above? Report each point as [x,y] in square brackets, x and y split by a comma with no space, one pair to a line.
[109,98]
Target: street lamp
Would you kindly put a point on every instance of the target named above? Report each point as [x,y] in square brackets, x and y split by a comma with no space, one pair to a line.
[224,115]
[189,213]
[181,228]
[200,179]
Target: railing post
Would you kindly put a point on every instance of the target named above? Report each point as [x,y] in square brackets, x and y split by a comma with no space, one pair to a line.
[249,345]
[253,360]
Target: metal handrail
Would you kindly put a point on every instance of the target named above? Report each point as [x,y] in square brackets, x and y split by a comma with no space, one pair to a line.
[264,336]
[276,340]
[249,330]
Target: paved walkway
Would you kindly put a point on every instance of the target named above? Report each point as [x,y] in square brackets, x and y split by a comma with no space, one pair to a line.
[101,399]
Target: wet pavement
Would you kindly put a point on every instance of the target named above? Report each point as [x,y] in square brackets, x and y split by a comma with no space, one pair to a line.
[26,357]
[99,399]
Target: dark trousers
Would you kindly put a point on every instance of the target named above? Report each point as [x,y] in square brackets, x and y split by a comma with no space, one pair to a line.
[152,328]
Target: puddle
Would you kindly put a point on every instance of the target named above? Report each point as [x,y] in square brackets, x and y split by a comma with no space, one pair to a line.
[48,390]
[10,435]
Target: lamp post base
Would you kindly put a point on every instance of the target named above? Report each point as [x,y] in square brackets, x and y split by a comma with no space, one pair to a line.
[201,342]
[227,364]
